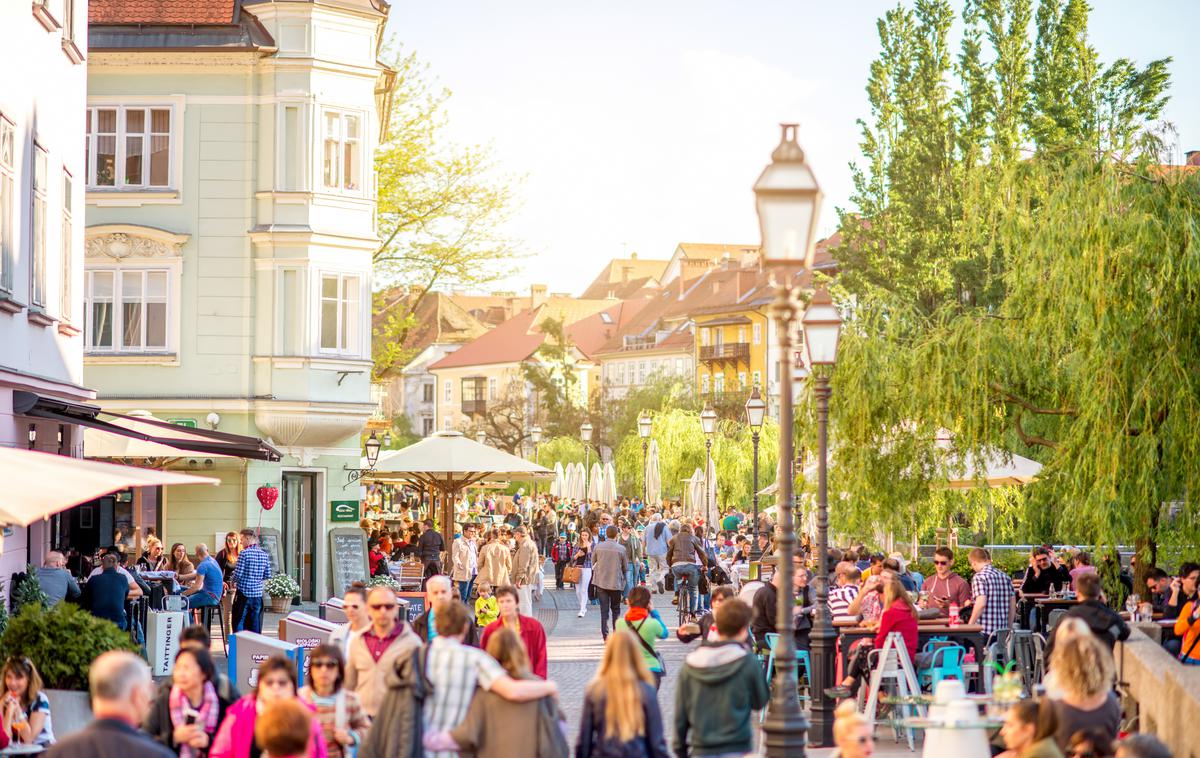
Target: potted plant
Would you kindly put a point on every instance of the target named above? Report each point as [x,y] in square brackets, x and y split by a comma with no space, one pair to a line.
[384,580]
[62,643]
[281,588]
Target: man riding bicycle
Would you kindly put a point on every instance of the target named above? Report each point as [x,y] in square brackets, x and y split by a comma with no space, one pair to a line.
[685,556]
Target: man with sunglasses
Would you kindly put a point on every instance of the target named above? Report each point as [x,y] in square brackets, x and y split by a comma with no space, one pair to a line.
[945,588]
[373,653]
[1045,572]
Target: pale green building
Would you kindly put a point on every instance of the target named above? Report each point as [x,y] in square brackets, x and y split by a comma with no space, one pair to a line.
[230,201]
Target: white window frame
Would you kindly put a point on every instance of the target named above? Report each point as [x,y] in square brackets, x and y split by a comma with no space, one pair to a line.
[66,290]
[447,391]
[704,383]
[39,213]
[756,333]
[741,334]
[118,312]
[428,392]
[294,155]
[679,366]
[120,181]
[758,379]
[344,350]
[8,189]
[340,139]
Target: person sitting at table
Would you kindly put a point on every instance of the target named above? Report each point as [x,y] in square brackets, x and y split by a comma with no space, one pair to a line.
[185,570]
[105,594]
[207,587]
[874,565]
[1105,623]
[869,602]
[25,708]
[56,581]
[899,615]
[153,559]
[1029,729]
[1081,563]
[766,603]
[841,596]
[1045,573]
[945,588]
[1158,589]
[1080,683]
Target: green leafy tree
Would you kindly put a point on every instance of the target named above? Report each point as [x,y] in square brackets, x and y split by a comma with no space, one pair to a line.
[1012,250]
[554,380]
[441,208]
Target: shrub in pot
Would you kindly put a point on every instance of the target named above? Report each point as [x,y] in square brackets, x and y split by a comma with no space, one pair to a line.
[281,588]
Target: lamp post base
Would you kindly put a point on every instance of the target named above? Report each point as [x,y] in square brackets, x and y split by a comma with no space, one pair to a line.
[784,735]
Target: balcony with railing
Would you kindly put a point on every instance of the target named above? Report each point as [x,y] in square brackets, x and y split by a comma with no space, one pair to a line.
[640,343]
[726,352]
[474,394]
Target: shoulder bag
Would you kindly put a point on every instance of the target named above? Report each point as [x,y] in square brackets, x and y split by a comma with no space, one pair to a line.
[637,632]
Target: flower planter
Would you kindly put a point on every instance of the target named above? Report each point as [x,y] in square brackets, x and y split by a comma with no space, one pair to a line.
[280,604]
[72,710]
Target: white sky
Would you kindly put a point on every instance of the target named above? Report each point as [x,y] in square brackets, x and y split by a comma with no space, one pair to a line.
[638,125]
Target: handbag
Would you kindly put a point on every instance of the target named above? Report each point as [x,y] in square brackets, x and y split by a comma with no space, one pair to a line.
[637,632]
[572,574]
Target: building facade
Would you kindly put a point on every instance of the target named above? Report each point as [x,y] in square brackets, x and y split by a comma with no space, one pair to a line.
[42,51]
[230,232]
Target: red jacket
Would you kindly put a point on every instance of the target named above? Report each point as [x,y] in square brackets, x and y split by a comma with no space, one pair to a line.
[532,634]
[898,618]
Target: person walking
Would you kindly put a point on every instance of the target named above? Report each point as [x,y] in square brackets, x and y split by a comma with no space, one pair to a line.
[583,559]
[464,562]
[493,725]
[633,550]
[719,686]
[439,592]
[609,569]
[657,538]
[495,561]
[354,605]
[185,716]
[686,557]
[529,629]
[252,571]
[430,547]
[643,621]
[374,652]
[276,683]
[620,707]
[560,553]
[120,687]
[525,569]
[344,723]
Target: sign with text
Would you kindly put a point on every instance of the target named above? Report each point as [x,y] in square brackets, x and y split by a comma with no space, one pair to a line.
[412,604]
[269,540]
[343,510]
[303,630]
[248,650]
[347,558]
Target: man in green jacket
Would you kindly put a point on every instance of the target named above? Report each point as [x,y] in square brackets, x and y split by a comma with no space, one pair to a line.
[717,690]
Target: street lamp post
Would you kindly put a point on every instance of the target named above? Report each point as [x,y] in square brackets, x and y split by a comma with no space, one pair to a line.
[585,434]
[756,410]
[644,425]
[480,436]
[708,424]
[788,200]
[822,328]
[535,436]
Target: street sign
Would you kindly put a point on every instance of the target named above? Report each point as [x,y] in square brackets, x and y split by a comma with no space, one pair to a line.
[343,510]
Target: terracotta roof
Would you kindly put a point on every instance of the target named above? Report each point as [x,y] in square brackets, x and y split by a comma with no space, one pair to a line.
[621,290]
[711,251]
[162,11]
[620,271]
[519,337]
[591,333]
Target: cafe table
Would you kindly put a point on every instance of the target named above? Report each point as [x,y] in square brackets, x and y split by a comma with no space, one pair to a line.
[1047,604]
[969,634]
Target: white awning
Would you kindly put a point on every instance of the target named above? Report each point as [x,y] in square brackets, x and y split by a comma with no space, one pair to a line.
[38,485]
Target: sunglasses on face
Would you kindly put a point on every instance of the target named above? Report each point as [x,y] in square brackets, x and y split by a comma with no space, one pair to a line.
[324,664]
[941,563]
[383,606]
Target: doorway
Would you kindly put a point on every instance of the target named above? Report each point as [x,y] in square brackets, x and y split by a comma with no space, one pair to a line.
[300,529]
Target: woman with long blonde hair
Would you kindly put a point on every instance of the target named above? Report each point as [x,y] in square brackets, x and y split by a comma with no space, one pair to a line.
[620,709]
[1080,683]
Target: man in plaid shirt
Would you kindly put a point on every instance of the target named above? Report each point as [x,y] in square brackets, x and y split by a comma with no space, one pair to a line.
[253,569]
[995,598]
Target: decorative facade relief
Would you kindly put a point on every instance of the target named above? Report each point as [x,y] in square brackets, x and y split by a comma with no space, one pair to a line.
[133,243]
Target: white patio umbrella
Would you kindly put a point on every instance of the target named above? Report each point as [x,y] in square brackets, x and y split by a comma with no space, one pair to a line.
[578,485]
[694,493]
[653,476]
[37,485]
[595,482]
[609,495]
[556,486]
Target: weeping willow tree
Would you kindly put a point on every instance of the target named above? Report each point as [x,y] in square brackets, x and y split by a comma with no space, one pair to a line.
[1020,274]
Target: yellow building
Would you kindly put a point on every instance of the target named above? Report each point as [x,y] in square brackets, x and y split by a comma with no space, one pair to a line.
[732,340]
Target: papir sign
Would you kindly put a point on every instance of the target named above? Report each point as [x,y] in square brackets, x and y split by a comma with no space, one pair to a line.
[267,496]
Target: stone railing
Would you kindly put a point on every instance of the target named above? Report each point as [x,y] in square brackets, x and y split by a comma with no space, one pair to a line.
[1166,693]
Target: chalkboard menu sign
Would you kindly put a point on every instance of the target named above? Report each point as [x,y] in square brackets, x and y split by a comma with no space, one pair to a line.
[348,558]
[269,540]
[413,604]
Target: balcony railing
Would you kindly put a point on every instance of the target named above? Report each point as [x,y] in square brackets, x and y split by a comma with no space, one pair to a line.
[729,351]
[474,407]
[640,343]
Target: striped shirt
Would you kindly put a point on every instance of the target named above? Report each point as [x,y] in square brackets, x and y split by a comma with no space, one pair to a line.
[840,599]
[253,568]
[453,670]
[994,585]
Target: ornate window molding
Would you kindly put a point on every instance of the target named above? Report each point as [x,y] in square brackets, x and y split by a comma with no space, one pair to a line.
[121,241]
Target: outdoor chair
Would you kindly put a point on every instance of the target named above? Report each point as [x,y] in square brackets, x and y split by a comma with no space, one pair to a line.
[947,663]
[891,670]
[802,662]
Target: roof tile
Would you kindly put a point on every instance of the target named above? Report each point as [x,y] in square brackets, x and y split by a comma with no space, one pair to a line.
[161,11]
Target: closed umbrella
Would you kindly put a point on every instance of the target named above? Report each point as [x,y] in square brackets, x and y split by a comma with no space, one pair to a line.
[610,484]
[579,490]
[710,505]
[556,487]
[653,476]
[595,482]
[695,493]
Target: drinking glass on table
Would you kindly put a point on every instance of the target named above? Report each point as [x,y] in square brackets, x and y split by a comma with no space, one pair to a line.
[1131,605]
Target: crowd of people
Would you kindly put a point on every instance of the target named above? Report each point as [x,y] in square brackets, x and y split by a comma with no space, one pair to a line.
[470,673]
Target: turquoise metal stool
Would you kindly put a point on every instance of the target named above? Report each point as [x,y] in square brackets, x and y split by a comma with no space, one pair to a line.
[801,657]
[946,664]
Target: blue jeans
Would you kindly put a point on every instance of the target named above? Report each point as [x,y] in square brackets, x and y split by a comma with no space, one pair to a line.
[691,573]
[201,600]
[247,614]
[630,578]
[464,590]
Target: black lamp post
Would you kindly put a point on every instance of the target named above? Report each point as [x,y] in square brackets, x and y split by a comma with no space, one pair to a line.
[708,424]
[371,448]
[535,436]
[644,425]
[788,200]
[756,410]
[822,328]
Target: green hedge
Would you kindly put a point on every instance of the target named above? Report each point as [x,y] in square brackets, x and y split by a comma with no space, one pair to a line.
[62,642]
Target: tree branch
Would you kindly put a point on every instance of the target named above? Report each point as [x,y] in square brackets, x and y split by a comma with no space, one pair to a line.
[1028,405]
[1031,439]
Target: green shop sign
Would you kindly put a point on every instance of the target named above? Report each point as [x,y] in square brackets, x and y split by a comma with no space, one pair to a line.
[343,510]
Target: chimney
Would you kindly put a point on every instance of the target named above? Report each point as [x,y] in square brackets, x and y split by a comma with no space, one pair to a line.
[1192,158]
[537,295]
[626,272]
